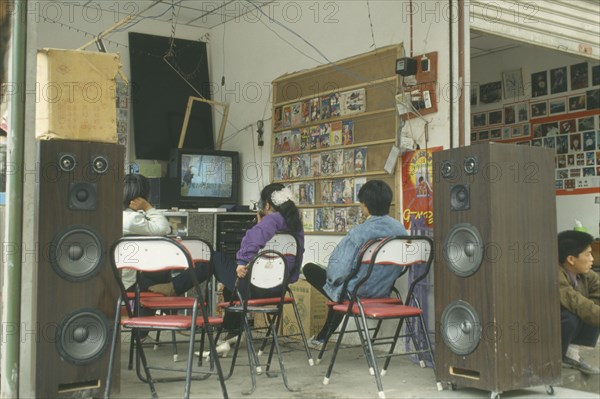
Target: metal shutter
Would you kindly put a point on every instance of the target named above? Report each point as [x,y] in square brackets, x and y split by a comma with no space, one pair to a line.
[571,26]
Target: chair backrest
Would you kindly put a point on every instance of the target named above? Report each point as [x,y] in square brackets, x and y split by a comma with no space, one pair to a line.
[285,243]
[199,249]
[150,254]
[268,270]
[394,251]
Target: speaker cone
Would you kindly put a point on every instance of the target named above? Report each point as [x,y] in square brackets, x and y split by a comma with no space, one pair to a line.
[448,170]
[99,164]
[82,336]
[463,249]
[83,196]
[77,253]
[460,328]
[460,198]
[471,165]
[66,162]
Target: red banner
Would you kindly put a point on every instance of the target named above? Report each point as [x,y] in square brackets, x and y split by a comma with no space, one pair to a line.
[417,191]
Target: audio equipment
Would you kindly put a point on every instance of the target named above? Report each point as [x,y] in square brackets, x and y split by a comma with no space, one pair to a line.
[164,192]
[496,291]
[80,194]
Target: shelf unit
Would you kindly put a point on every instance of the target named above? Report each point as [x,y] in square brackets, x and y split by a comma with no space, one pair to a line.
[313,111]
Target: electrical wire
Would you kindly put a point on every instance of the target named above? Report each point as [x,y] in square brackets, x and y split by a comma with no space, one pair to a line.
[371,24]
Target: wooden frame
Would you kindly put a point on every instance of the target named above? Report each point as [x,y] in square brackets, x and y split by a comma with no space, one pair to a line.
[186,120]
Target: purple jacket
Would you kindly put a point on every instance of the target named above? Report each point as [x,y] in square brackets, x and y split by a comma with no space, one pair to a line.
[256,238]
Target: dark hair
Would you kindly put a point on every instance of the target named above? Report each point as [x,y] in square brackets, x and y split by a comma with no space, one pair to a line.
[135,186]
[572,243]
[288,209]
[377,197]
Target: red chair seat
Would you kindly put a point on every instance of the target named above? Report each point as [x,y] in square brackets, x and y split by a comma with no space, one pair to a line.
[382,310]
[169,321]
[167,302]
[144,294]
[396,301]
[258,302]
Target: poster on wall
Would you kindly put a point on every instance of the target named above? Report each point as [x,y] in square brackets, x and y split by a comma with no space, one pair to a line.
[417,191]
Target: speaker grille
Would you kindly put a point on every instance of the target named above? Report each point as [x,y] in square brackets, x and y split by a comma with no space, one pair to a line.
[76,254]
[82,336]
[463,249]
[461,328]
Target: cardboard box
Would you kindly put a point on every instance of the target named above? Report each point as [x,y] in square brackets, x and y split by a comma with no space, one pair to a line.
[312,309]
[75,95]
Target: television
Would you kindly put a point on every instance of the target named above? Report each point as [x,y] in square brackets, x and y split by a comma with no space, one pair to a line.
[206,178]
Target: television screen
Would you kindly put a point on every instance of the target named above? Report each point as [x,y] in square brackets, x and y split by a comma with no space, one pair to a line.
[206,178]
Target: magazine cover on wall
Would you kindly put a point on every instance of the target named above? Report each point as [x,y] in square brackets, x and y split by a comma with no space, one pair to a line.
[417,191]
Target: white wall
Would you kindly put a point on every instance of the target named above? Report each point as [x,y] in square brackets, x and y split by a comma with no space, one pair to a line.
[257,51]
[582,207]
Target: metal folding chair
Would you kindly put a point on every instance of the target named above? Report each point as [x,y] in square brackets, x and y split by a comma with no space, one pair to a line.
[287,244]
[267,276]
[151,254]
[364,257]
[398,252]
[201,253]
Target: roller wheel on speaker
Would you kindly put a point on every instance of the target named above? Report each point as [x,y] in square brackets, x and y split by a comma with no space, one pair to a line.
[549,389]
[495,395]
[452,386]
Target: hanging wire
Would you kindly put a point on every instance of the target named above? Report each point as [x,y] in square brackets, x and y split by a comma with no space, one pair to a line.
[371,24]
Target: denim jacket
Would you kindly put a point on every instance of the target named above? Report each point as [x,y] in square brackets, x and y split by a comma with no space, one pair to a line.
[344,257]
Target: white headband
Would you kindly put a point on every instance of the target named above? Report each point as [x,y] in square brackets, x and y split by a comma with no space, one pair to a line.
[281,196]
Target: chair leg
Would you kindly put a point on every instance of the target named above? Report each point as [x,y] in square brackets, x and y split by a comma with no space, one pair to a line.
[252,361]
[141,356]
[311,362]
[335,351]
[279,356]
[113,348]
[364,337]
[427,341]
[174,340]
[131,350]
[371,354]
[266,338]
[393,346]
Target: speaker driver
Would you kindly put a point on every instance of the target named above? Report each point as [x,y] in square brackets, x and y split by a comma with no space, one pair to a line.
[99,164]
[66,162]
[77,253]
[463,249]
[471,165]
[461,327]
[448,170]
[460,198]
[83,196]
[82,336]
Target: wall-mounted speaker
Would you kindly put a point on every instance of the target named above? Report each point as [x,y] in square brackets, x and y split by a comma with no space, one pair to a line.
[496,292]
[80,193]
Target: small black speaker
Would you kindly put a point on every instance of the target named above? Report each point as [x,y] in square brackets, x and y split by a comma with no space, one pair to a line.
[164,192]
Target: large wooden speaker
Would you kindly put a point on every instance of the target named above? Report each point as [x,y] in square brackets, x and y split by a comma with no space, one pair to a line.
[496,282]
[80,215]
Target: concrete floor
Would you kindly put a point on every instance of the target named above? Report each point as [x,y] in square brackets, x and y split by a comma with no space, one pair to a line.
[350,379]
